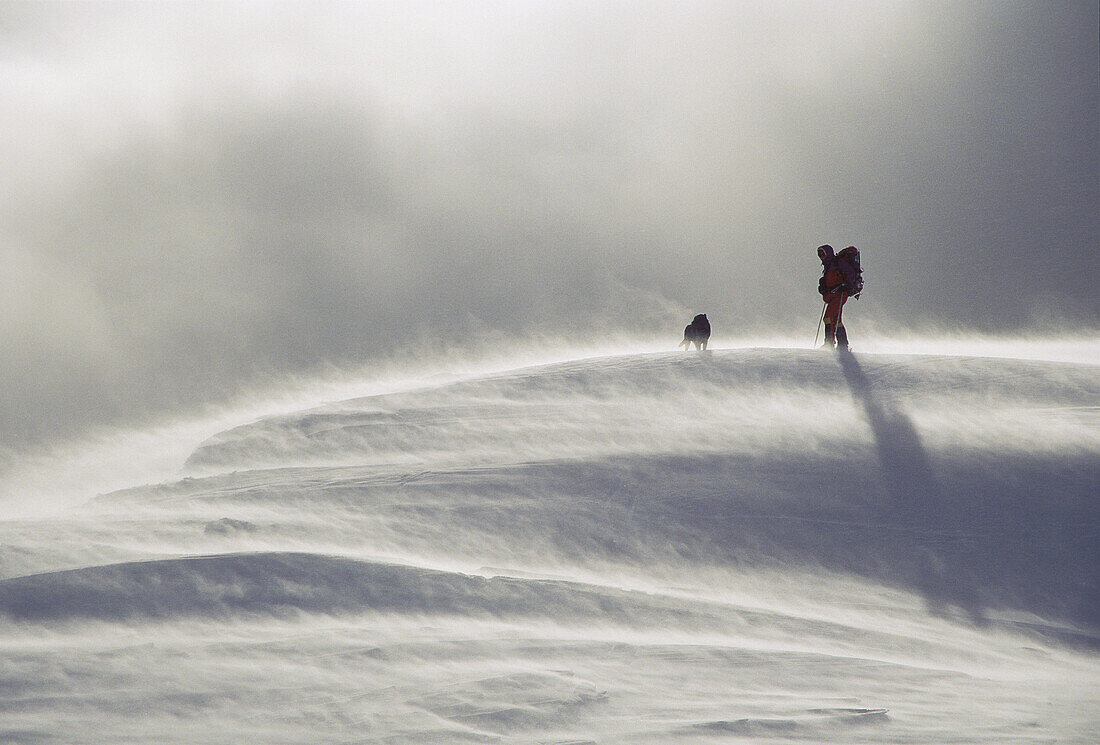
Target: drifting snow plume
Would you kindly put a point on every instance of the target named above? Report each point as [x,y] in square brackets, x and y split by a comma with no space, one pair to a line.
[668,547]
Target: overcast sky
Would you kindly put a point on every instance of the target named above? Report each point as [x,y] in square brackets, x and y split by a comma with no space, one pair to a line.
[195,195]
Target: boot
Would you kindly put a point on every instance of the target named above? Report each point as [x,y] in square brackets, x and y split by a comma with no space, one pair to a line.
[841,338]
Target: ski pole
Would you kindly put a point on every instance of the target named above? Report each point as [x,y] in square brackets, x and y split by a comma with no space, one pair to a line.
[824,305]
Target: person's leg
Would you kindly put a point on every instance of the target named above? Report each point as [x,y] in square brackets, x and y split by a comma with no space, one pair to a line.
[840,333]
[833,303]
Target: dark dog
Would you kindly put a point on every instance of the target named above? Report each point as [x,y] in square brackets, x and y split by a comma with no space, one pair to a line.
[697,333]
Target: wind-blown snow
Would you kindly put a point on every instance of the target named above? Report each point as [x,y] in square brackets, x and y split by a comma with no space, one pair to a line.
[757,545]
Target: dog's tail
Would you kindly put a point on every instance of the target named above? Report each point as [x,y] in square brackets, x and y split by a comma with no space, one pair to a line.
[684,343]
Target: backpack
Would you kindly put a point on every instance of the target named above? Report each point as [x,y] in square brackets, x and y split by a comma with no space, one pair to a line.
[848,263]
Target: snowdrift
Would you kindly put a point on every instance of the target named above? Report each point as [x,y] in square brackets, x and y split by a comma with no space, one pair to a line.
[281,583]
[768,544]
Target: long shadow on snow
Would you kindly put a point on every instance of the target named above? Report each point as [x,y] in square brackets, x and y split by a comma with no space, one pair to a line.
[987,529]
[997,531]
[918,503]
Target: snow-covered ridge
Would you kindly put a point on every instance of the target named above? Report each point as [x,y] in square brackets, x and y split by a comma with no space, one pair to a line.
[771,544]
[714,402]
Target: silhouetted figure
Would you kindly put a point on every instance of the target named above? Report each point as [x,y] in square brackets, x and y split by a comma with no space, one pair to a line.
[697,332]
[841,277]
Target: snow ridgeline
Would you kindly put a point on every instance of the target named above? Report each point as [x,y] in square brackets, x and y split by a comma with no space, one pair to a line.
[839,526]
[971,481]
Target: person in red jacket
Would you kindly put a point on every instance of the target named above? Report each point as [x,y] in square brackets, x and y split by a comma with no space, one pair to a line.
[839,280]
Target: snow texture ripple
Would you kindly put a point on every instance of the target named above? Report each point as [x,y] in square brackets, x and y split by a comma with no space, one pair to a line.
[762,545]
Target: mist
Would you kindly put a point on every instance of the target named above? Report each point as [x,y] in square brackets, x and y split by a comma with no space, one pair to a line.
[203,199]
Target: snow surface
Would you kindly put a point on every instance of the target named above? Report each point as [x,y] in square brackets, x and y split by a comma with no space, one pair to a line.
[754,545]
